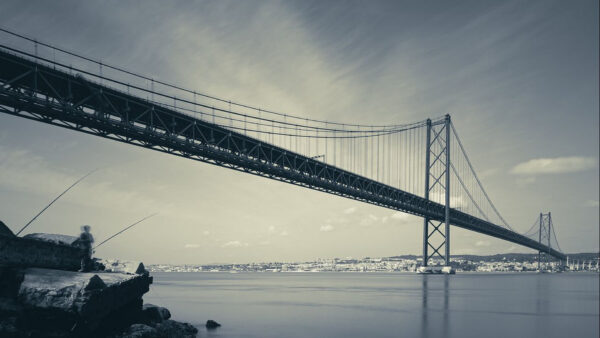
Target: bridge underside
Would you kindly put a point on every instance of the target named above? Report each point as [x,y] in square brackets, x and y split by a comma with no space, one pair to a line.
[42,93]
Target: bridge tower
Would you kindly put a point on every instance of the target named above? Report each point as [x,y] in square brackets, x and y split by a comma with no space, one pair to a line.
[437,182]
[544,234]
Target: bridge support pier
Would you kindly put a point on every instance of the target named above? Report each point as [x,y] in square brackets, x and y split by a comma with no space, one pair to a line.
[437,181]
[426,219]
[447,191]
[545,233]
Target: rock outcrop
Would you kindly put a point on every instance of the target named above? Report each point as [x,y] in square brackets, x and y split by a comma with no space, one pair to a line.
[36,302]
[34,252]
[155,314]
[41,295]
[211,324]
[5,231]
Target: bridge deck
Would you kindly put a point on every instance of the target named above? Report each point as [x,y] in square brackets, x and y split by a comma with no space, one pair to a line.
[47,94]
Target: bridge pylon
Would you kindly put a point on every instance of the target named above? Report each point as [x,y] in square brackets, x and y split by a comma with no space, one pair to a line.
[436,233]
[544,234]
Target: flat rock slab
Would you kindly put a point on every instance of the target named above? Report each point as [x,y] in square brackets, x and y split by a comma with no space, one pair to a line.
[80,297]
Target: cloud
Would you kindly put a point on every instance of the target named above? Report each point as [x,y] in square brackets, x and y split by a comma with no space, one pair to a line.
[234,244]
[326,228]
[369,220]
[557,165]
[400,216]
[284,233]
[349,211]
[488,173]
[526,180]
[482,243]
[592,203]
[191,246]
[206,232]
[271,229]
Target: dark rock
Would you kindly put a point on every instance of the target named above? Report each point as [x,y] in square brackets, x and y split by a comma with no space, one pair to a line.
[10,281]
[95,283]
[155,314]
[30,252]
[5,231]
[211,324]
[172,329]
[139,331]
[120,319]
[8,327]
[9,307]
[61,299]
[97,265]
[37,302]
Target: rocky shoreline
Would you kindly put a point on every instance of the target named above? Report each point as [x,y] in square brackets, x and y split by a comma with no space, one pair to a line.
[44,297]
[36,302]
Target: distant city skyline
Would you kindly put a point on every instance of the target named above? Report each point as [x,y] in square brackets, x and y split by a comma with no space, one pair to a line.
[519,78]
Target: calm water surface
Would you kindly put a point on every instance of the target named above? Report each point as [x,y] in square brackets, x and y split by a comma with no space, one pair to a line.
[383,304]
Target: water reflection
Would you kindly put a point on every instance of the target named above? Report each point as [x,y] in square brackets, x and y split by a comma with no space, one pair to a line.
[430,321]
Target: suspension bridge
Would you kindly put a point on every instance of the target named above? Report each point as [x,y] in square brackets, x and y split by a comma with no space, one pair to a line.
[419,168]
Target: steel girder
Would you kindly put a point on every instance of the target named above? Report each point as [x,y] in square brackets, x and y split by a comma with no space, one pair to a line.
[39,92]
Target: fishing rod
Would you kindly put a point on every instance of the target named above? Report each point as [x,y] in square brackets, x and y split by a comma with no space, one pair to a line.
[118,233]
[56,199]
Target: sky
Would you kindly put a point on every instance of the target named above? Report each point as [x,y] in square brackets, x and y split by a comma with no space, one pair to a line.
[520,79]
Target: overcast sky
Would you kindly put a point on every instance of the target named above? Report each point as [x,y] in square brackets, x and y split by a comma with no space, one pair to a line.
[520,79]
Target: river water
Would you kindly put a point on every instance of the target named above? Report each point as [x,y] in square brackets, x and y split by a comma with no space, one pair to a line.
[383,304]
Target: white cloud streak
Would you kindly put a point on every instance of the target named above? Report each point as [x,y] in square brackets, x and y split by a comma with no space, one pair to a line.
[326,228]
[349,211]
[234,244]
[482,243]
[592,203]
[557,165]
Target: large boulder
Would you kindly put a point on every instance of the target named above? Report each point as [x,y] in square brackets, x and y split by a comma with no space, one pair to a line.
[211,324]
[172,329]
[166,329]
[63,299]
[154,314]
[139,331]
